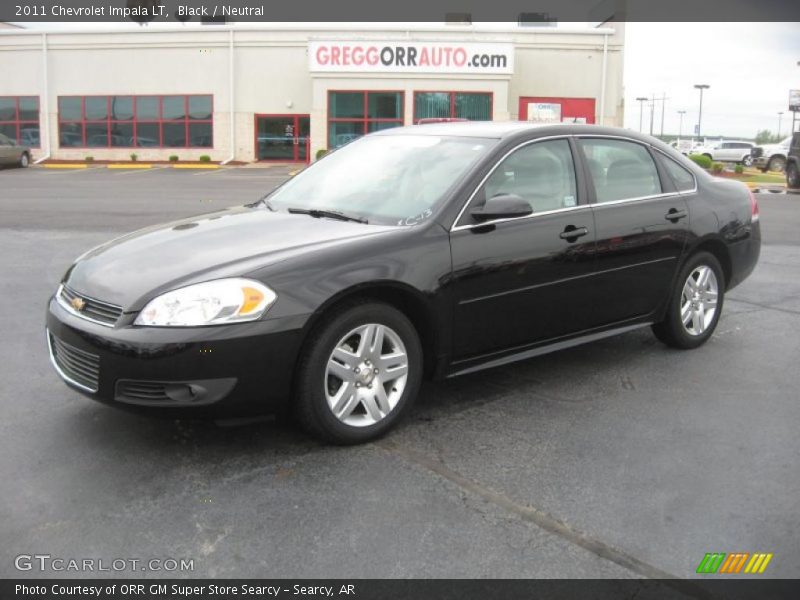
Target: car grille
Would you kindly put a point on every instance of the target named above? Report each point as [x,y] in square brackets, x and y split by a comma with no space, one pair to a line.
[149,391]
[756,152]
[93,310]
[75,365]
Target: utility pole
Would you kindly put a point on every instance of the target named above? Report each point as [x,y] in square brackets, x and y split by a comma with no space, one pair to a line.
[641,100]
[680,123]
[652,109]
[663,104]
[701,87]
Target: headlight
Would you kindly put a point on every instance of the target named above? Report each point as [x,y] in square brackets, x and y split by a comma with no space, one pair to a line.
[210,303]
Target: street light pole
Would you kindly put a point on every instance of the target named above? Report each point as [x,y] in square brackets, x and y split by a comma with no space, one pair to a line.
[652,110]
[780,118]
[680,123]
[701,87]
[641,101]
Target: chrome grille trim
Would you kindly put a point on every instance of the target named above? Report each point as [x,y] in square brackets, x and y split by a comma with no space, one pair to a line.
[95,310]
[75,366]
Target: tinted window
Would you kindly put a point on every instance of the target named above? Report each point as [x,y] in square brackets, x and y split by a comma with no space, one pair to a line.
[542,174]
[684,180]
[620,169]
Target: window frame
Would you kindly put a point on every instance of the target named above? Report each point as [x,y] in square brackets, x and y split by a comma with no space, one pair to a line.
[365,120]
[662,156]
[665,181]
[581,190]
[452,94]
[159,121]
[19,123]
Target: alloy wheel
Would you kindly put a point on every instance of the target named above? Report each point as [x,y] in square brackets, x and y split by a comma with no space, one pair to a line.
[699,300]
[366,375]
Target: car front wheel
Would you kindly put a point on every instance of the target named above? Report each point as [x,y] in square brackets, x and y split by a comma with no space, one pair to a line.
[747,161]
[776,163]
[24,160]
[695,304]
[359,375]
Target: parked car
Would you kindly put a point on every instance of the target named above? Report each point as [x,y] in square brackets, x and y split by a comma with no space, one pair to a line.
[12,153]
[425,251]
[728,151]
[772,157]
[793,163]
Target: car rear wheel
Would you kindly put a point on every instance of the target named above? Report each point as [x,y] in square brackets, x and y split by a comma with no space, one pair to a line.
[776,163]
[793,175]
[695,304]
[359,375]
[24,160]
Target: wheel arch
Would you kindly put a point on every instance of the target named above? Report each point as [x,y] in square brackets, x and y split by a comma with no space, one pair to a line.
[403,297]
[719,250]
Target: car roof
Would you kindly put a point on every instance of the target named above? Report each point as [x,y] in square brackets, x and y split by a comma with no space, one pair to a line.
[506,129]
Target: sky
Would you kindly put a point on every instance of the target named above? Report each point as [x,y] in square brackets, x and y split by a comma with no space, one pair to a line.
[750,67]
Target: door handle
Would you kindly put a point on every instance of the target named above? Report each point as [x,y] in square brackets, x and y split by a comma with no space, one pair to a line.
[572,233]
[673,214]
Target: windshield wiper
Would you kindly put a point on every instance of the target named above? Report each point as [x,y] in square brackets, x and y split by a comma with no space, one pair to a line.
[331,214]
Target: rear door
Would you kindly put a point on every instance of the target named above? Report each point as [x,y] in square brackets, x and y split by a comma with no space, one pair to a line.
[642,228]
[520,281]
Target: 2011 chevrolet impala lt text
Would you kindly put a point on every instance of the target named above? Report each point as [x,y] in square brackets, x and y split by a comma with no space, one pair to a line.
[425,251]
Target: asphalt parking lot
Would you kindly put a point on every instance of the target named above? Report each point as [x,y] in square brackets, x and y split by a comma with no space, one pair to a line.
[621,458]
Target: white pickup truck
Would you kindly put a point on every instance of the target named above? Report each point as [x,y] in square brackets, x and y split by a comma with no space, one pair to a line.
[772,157]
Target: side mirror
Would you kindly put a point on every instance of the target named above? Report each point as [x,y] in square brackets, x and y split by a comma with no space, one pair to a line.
[502,206]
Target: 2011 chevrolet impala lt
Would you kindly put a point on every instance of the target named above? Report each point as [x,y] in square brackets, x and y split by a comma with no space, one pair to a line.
[433,250]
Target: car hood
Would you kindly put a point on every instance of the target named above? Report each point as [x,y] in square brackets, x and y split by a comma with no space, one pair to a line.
[130,270]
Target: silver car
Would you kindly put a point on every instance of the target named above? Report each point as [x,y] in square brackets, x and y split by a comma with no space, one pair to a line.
[12,153]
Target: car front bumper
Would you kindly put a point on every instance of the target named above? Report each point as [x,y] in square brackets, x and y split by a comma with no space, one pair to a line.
[224,371]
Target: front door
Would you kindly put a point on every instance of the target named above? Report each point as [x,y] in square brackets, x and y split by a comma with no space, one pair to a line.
[520,281]
[282,137]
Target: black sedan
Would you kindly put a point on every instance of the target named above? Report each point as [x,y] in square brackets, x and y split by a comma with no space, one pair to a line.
[426,251]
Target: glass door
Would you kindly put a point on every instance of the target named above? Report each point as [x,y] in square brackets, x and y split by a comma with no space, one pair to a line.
[282,137]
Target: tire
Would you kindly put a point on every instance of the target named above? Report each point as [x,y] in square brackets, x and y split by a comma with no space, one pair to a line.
[672,330]
[24,160]
[793,175]
[776,163]
[747,161]
[337,374]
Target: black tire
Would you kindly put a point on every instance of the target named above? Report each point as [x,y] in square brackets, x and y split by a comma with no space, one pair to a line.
[747,161]
[671,330]
[310,402]
[24,160]
[776,163]
[793,175]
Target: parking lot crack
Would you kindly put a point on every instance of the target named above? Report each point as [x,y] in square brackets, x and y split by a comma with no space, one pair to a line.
[542,519]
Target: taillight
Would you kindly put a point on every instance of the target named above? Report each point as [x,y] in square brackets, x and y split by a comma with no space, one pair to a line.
[753,207]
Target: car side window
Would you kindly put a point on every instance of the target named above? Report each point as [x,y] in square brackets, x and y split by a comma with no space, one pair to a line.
[541,173]
[684,180]
[620,170]
[4,141]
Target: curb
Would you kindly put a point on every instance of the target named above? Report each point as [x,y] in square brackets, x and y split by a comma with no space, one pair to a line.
[129,166]
[212,166]
[65,166]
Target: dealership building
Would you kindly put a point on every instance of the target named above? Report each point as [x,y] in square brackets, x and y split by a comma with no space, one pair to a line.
[280,92]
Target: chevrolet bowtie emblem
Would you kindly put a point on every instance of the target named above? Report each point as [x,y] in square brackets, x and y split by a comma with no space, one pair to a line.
[77,303]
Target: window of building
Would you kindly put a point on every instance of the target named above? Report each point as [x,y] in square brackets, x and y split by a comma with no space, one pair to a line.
[620,170]
[19,119]
[353,114]
[473,106]
[175,121]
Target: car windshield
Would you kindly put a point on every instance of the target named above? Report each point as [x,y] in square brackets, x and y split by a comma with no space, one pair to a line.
[388,179]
